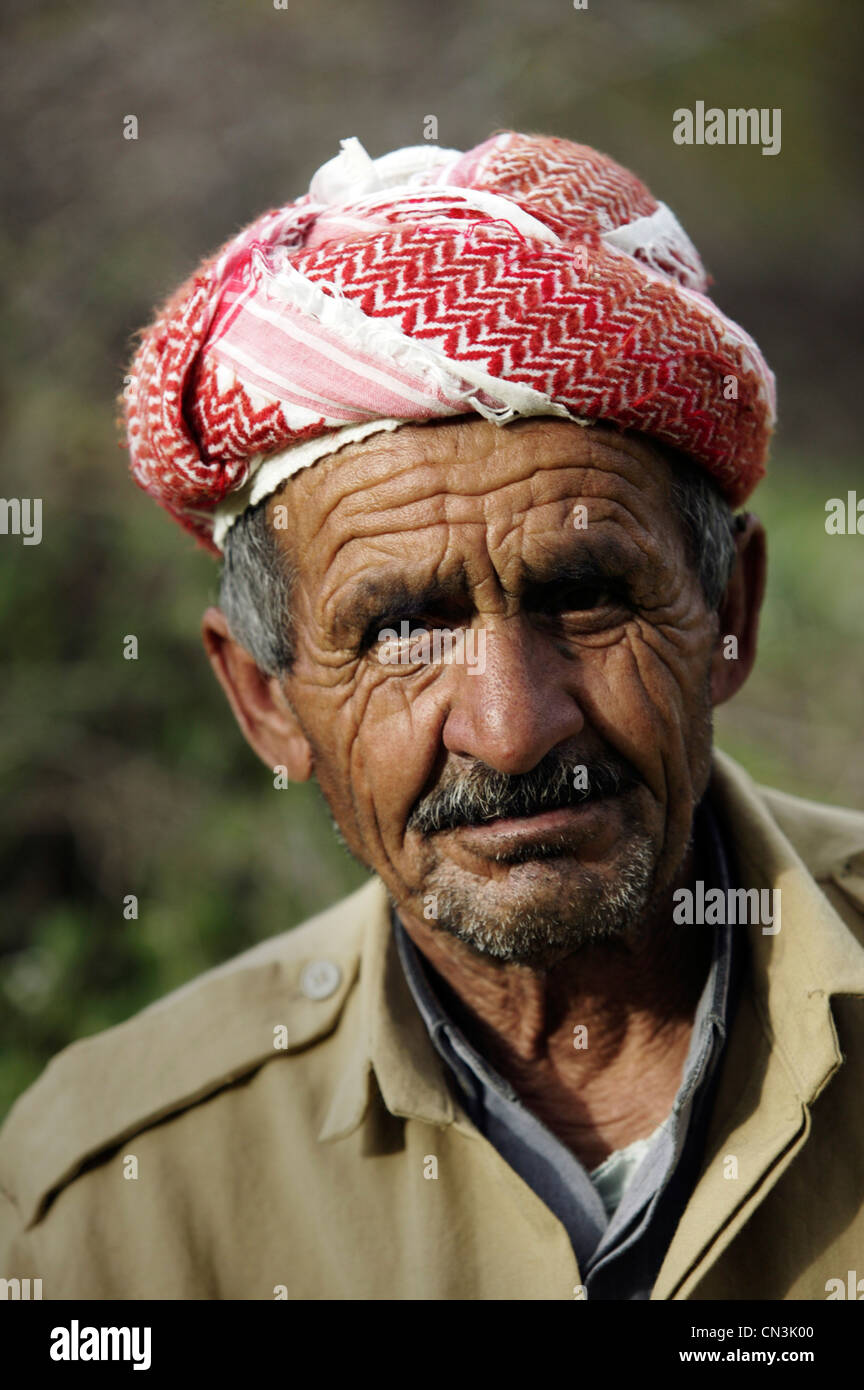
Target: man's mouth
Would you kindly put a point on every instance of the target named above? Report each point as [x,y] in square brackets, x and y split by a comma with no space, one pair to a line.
[544,834]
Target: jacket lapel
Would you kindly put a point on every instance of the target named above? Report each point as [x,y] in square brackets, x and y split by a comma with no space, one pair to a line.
[783,1047]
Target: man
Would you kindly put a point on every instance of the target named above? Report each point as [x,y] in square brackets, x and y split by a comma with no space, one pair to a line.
[469,434]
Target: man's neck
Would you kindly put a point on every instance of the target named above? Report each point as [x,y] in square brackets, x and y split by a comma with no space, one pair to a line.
[595,1045]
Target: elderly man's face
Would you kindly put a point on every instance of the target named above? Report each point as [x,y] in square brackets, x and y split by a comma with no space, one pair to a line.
[562,547]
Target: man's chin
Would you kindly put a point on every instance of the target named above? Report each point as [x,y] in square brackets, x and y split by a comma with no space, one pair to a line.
[537,911]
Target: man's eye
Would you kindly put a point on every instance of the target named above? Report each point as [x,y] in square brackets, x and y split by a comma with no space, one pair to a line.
[584,597]
[396,628]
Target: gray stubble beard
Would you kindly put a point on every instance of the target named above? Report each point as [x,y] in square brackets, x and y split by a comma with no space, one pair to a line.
[600,909]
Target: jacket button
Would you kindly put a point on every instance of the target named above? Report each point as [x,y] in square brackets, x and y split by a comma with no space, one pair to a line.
[320,978]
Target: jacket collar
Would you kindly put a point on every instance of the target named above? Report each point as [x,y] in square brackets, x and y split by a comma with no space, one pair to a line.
[393,1049]
[813,956]
[782,1048]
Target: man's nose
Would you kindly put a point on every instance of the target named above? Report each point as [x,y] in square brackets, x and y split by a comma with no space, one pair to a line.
[517,703]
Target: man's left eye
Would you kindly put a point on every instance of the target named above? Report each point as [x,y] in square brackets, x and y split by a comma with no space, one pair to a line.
[586,597]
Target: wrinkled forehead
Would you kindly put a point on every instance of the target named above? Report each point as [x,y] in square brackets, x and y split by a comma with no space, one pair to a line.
[471,471]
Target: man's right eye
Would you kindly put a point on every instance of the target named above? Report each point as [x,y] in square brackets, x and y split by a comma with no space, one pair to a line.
[389,631]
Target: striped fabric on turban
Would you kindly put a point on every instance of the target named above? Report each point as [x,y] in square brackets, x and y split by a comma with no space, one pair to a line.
[530,276]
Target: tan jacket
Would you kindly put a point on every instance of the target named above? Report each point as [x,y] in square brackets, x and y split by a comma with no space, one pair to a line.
[268,1130]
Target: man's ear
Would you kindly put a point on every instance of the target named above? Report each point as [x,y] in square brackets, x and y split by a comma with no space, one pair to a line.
[260,706]
[735,652]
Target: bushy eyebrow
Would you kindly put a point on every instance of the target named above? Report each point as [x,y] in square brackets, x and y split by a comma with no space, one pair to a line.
[586,568]
[375,599]
[378,597]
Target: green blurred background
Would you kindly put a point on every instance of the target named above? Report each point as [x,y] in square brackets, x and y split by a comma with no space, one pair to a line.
[129,777]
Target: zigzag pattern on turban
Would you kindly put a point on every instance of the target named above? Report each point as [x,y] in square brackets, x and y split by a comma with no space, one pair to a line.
[529,276]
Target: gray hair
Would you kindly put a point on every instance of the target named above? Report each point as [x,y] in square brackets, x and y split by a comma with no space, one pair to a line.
[257,579]
[710,527]
[255,589]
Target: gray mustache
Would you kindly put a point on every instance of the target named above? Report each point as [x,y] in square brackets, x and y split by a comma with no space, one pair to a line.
[482,794]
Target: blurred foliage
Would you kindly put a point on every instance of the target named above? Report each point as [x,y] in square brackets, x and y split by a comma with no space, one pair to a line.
[128,777]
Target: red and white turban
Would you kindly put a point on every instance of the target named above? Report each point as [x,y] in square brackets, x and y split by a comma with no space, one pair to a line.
[530,276]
